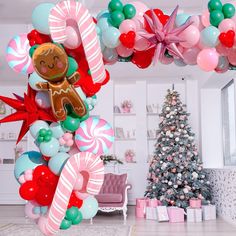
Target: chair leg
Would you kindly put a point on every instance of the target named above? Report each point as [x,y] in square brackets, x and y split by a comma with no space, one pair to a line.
[125,213]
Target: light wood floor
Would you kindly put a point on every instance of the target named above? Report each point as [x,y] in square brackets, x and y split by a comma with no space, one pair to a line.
[140,227]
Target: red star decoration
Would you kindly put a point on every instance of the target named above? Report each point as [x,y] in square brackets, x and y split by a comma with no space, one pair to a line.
[26,110]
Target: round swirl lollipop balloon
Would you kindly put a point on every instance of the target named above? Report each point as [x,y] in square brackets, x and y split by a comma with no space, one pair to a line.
[18,57]
[94,135]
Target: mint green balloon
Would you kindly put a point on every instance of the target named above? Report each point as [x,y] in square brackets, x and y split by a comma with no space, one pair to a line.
[89,208]
[57,162]
[73,66]
[40,17]
[209,36]
[57,131]
[78,219]
[65,224]
[72,213]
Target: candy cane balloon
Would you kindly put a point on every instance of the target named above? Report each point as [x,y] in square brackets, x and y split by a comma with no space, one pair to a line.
[81,162]
[69,11]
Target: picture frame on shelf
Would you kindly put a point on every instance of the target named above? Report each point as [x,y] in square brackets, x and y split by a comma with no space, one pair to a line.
[3,109]
[150,134]
[149,109]
[119,133]
[8,161]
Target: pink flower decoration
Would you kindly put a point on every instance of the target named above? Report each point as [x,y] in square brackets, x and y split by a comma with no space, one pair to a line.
[27,176]
[67,140]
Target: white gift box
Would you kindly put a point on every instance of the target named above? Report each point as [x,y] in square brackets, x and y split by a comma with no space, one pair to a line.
[209,212]
[151,213]
[194,214]
[162,214]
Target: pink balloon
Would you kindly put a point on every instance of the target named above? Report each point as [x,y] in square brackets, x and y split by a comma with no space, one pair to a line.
[127,25]
[42,223]
[79,183]
[141,43]
[208,59]
[73,38]
[232,57]
[226,25]
[206,18]
[42,99]
[222,50]
[191,37]
[141,8]
[22,179]
[123,51]
[139,22]
[29,207]
[74,150]
[196,20]
[190,56]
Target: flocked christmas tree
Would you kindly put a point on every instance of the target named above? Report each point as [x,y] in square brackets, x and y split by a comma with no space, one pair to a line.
[176,173]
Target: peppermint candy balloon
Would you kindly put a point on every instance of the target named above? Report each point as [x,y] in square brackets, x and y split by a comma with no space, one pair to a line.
[18,57]
[94,135]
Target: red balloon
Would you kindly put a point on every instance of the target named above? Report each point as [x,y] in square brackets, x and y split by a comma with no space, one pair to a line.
[159,13]
[35,37]
[164,19]
[128,40]
[74,201]
[138,58]
[40,171]
[28,190]
[44,197]
[227,39]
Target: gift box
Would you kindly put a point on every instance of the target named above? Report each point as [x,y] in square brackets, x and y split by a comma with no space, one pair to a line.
[162,214]
[194,214]
[140,210]
[176,214]
[151,213]
[153,202]
[195,203]
[209,212]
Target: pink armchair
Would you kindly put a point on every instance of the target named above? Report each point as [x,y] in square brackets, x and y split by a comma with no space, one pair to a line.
[113,195]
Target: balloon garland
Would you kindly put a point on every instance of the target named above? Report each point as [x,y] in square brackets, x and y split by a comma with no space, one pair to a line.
[64,57]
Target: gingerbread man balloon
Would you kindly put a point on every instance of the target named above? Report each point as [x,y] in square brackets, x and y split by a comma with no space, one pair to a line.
[50,61]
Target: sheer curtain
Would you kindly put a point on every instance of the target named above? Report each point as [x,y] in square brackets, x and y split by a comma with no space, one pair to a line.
[228,119]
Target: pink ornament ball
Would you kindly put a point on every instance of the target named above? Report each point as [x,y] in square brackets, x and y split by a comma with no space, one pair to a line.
[208,59]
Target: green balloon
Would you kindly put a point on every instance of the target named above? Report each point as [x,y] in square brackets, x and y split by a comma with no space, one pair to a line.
[129,11]
[42,132]
[216,17]
[65,224]
[40,139]
[116,18]
[32,49]
[47,138]
[228,10]
[71,123]
[73,66]
[78,219]
[115,5]
[214,5]
[84,117]
[72,213]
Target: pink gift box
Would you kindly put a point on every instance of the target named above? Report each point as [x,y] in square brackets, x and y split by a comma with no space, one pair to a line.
[141,202]
[140,212]
[153,202]
[195,203]
[176,214]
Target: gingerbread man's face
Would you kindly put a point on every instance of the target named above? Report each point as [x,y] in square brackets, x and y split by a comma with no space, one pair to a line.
[50,62]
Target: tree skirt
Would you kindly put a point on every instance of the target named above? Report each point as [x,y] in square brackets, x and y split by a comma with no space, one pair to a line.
[82,230]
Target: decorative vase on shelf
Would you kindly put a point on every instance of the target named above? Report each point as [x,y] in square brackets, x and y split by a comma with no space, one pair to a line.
[126,110]
[129,156]
[126,106]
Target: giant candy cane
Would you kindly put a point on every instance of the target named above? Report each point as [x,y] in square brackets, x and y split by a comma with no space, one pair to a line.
[83,161]
[73,10]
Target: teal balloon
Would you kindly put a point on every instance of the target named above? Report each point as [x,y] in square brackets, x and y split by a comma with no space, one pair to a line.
[37,126]
[27,161]
[78,219]
[180,63]
[72,213]
[43,210]
[115,5]
[57,131]
[65,224]
[216,17]
[117,17]
[111,37]
[129,11]
[40,17]
[209,36]
[34,79]
[214,5]
[89,208]
[50,148]
[103,14]
[181,19]
[57,162]
[64,149]
[103,24]
[73,66]
[228,10]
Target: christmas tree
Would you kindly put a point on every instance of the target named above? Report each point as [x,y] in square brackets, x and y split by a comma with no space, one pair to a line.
[176,173]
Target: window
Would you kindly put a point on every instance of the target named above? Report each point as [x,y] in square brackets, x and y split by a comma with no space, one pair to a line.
[228,119]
